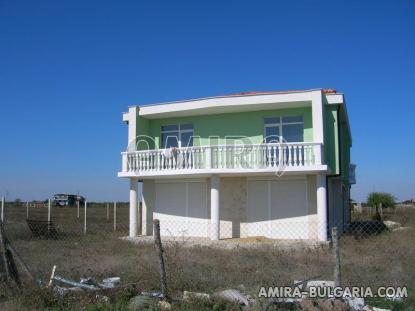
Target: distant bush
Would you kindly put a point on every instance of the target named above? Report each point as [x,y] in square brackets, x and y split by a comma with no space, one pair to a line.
[388,200]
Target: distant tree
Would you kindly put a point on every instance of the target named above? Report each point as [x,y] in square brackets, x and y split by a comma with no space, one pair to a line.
[388,200]
[17,202]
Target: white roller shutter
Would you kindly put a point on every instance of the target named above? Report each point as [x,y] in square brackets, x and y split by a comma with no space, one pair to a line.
[181,208]
[277,208]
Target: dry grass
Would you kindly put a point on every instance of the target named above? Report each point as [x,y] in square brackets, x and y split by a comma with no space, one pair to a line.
[251,239]
[386,259]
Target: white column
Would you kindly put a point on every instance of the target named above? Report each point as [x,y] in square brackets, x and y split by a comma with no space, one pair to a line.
[133,206]
[132,128]
[322,206]
[214,208]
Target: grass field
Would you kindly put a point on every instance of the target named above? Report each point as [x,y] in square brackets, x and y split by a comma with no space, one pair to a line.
[384,259]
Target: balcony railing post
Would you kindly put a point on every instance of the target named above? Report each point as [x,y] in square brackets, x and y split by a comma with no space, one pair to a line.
[157,155]
[208,163]
[318,154]
[124,161]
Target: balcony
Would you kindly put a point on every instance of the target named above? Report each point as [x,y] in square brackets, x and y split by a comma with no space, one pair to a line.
[352,174]
[224,159]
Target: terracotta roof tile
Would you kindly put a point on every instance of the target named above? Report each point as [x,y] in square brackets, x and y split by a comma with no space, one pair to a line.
[325,91]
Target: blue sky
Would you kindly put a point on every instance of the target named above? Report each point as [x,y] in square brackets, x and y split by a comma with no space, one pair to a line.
[68,69]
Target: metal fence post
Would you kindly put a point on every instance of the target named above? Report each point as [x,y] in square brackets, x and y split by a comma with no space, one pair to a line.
[2,209]
[336,255]
[108,211]
[159,248]
[115,216]
[381,210]
[3,250]
[48,215]
[85,204]
[77,205]
[27,210]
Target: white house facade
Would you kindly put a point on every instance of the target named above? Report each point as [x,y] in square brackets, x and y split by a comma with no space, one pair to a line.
[270,164]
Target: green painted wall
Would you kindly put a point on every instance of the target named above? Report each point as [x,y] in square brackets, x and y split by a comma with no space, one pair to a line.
[249,124]
[345,145]
[331,137]
[337,142]
[143,131]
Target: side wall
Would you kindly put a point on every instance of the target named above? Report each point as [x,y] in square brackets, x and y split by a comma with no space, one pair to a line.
[335,206]
[345,145]
[337,155]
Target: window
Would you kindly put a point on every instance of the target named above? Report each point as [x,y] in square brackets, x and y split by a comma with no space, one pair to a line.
[289,128]
[177,135]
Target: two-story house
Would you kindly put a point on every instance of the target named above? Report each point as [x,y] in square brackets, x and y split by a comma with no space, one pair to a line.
[272,164]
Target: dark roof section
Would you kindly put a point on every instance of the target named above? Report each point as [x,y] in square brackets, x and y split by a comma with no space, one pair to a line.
[325,91]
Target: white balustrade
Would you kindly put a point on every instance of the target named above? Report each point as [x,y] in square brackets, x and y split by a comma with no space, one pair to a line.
[259,156]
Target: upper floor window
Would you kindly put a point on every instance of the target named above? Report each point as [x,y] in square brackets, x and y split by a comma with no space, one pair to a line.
[289,128]
[177,135]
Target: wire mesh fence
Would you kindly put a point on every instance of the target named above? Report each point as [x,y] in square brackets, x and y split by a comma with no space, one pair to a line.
[373,251]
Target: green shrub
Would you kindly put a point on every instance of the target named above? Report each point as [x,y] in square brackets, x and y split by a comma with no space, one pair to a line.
[388,200]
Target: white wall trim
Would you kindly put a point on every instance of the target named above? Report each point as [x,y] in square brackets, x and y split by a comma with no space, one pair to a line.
[275,178]
[337,98]
[125,117]
[222,172]
[132,128]
[169,181]
[318,117]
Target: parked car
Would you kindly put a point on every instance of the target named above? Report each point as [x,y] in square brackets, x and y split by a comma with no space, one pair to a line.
[63,199]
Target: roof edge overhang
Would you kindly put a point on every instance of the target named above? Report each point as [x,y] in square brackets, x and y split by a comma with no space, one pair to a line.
[339,99]
[226,104]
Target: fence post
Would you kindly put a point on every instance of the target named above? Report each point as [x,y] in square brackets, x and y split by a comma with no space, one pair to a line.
[4,250]
[336,255]
[77,205]
[108,211]
[27,210]
[2,209]
[159,248]
[85,204]
[381,210]
[48,215]
[115,216]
